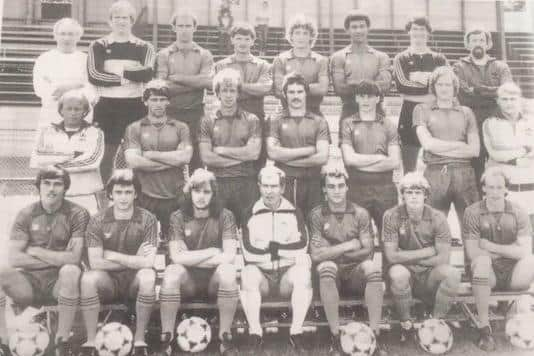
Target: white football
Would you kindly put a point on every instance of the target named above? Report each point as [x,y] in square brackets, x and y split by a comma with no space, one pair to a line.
[520,330]
[193,334]
[435,336]
[29,340]
[114,339]
[357,339]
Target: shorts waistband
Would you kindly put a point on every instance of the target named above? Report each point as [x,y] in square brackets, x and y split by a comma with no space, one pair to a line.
[370,178]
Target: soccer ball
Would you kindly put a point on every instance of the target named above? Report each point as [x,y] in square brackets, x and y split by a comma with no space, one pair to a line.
[435,336]
[357,339]
[193,334]
[29,340]
[114,339]
[520,331]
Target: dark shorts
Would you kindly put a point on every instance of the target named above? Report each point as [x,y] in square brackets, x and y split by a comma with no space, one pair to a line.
[199,283]
[405,128]
[238,194]
[503,269]
[162,208]
[304,193]
[351,279]
[419,284]
[43,283]
[123,284]
[113,115]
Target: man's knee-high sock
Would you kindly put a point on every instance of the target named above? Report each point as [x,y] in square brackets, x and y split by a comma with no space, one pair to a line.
[251,301]
[227,302]
[67,307]
[444,299]
[374,298]
[481,292]
[403,301]
[169,306]
[143,309]
[90,307]
[330,297]
[300,303]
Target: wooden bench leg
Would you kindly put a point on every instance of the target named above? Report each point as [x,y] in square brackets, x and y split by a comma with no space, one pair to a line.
[469,314]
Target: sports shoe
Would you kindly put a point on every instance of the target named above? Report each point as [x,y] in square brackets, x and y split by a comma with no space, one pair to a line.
[297,342]
[4,350]
[486,341]
[255,344]
[227,347]
[87,351]
[63,348]
[335,348]
[140,350]
[407,331]
[381,349]
[165,348]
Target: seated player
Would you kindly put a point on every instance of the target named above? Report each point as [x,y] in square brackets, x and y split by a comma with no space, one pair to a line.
[202,248]
[76,146]
[121,247]
[45,249]
[498,247]
[274,245]
[342,246]
[417,243]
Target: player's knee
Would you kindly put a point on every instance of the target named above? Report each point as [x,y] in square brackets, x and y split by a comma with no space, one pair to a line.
[481,267]
[300,276]
[399,276]
[371,270]
[70,275]
[173,274]
[146,278]
[452,277]
[227,274]
[6,276]
[327,269]
[250,278]
[88,282]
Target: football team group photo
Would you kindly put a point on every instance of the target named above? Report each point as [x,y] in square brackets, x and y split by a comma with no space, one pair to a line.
[277,184]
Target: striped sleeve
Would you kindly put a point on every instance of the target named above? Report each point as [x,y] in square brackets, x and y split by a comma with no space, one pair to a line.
[146,72]
[401,74]
[95,67]
[91,158]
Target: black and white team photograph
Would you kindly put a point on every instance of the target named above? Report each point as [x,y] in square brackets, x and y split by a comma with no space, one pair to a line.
[266,177]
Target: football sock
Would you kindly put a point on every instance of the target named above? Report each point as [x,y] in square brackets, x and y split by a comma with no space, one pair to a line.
[330,297]
[227,303]
[481,292]
[90,308]
[169,306]
[143,309]
[444,299]
[403,300]
[300,302]
[3,329]
[251,301]
[67,307]
[374,298]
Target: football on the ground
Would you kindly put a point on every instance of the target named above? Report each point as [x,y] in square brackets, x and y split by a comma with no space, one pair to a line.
[357,339]
[435,336]
[193,334]
[114,339]
[29,340]
[520,330]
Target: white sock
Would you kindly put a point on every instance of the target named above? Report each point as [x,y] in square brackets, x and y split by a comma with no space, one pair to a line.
[300,302]
[251,302]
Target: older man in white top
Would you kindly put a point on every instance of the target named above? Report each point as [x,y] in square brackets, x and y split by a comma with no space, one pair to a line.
[509,139]
[61,69]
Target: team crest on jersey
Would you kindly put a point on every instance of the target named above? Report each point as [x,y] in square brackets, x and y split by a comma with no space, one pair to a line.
[356,132]
[145,135]
[107,235]
[402,230]
[284,126]
[326,226]
[288,68]
[187,232]
[35,227]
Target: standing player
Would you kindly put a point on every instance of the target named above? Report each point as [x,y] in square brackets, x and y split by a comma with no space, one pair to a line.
[256,78]
[480,75]
[411,70]
[158,147]
[498,247]
[187,67]
[509,139]
[358,61]
[448,133]
[121,247]
[417,244]
[370,147]
[342,246]
[302,33]
[59,70]
[274,247]
[118,65]
[202,250]
[298,142]
[74,145]
[45,249]
[230,144]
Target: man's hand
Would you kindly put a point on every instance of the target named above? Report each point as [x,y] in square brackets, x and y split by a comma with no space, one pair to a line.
[176,77]
[356,244]
[133,67]
[485,245]
[219,150]
[33,251]
[110,255]
[148,154]
[420,77]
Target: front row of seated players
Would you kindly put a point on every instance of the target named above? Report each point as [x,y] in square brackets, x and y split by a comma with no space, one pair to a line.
[46,245]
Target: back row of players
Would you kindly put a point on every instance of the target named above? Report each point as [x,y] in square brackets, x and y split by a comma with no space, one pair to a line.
[231,142]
